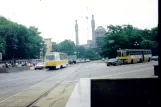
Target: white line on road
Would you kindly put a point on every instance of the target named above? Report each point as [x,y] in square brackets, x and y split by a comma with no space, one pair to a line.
[123,73]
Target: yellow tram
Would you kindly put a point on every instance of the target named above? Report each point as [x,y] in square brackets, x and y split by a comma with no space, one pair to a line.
[56,60]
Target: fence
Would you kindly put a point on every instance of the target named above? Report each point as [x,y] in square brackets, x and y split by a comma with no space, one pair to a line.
[22,60]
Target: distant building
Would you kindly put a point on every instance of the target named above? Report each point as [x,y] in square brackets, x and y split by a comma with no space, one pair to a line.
[100,34]
[89,42]
[48,44]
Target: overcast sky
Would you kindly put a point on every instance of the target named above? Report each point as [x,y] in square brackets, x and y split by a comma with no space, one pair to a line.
[56,18]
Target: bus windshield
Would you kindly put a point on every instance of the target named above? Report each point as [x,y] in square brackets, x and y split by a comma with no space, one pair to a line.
[50,57]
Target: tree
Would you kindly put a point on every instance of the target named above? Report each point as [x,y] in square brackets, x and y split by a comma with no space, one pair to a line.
[154,34]
[146,44]
[18,41]
[67,46]
[125,37]
[89,54]
[81,51]
[55,46]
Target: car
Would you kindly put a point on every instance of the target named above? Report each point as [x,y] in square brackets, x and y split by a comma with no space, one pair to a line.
[87,60]
[40,65]
[71,62]
[83,60]
[103,59]
[155,58]
[114,61]
[78,61]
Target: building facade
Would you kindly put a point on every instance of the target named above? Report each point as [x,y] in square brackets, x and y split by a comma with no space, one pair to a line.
[48,44]
[100,34]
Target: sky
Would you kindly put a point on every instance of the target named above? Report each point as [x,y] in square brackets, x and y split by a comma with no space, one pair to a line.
[56,18]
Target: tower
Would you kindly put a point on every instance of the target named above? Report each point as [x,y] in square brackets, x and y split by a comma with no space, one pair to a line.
[93,32]
[76,33]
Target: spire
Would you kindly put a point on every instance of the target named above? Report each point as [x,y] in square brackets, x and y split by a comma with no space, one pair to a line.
[76,33]
[93,31]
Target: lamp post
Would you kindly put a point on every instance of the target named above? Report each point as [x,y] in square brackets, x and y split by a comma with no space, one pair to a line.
[136,44]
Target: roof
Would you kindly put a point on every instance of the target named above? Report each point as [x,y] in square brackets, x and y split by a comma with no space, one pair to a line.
[100,29]
[134,50]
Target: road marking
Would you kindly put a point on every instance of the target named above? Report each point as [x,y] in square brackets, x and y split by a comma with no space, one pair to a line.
[123,73]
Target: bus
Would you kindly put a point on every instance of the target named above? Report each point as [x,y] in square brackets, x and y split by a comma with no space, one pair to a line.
[134,55]
[56,60]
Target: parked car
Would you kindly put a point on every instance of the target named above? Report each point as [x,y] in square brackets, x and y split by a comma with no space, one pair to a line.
[40,65]
[83,60]
[78,60]
[87,60]
[114,61]
[71,62]
[155,58]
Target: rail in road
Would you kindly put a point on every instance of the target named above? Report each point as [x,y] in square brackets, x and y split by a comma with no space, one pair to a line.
[32,95]
[48,91]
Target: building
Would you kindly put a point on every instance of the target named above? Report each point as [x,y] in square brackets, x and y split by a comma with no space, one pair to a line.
[86,46]
[89,42]
[48,44]
[100,34]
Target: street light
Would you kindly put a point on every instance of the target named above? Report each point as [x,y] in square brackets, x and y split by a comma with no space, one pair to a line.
[136,44]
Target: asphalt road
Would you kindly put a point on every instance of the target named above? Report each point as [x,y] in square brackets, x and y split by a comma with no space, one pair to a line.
[21,88]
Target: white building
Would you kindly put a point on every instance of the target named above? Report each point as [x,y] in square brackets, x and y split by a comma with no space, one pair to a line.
[48,44]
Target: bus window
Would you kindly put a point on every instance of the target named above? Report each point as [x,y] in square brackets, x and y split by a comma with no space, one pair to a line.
[128,53]
[124,53]
[119,54]
[57,56]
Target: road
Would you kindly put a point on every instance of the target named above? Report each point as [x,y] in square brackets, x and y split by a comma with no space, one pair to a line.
[22,88]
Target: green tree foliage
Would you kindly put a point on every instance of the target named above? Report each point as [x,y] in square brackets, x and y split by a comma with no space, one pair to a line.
[146,44]
[81,51]
[89,54]
[67,46]
[125,37]
[18,41]
[55,47]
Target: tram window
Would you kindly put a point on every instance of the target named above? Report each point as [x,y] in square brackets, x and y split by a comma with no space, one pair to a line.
[128,53]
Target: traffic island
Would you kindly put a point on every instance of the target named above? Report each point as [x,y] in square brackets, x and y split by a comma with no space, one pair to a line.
[156,70]
[131,92]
